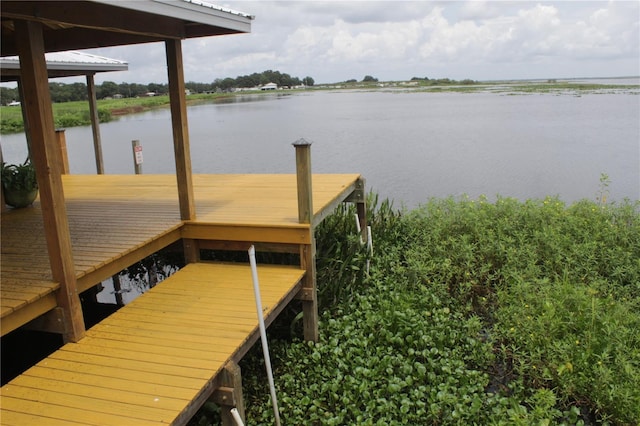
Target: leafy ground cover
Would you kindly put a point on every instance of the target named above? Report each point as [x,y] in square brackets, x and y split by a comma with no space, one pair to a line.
[472,313]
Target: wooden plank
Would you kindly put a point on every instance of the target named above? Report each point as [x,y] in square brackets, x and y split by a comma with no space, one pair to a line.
[246,232]
[144,365]
[72,414]
[125,354]
[19,317]
[13,418]
[159,370]
[120,395]
[120,373]
[112,384]
[100,407]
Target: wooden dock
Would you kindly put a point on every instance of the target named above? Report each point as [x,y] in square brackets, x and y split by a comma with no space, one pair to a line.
[156,360]
[84,229]
[117,220]
[159,358]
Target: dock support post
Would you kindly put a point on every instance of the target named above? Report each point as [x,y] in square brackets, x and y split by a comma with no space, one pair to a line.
[95,123]
[229,395]
[45,156]
[361,208]
[181,147]
[62,146]
[136,150]
[307,252]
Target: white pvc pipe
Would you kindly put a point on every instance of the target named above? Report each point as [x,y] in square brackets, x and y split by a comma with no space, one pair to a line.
[369,246]
[236,417]
[263,333]
[359,228]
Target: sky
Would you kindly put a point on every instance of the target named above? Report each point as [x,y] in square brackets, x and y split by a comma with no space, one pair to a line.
[334,41]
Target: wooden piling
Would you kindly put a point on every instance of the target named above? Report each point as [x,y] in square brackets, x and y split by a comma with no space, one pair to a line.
[136,148]
[308,295]
[95,124]
[62,146]
[230,394]
[46,159]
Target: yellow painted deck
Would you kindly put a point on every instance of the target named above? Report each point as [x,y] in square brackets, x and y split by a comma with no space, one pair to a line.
[156,359]
[117,220]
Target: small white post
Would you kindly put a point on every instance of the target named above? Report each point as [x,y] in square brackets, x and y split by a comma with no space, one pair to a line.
[137,156]
[236,417]
[263,333]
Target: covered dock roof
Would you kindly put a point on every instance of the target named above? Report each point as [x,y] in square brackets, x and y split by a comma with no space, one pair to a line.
[74,25]
[64,64]
[31,29]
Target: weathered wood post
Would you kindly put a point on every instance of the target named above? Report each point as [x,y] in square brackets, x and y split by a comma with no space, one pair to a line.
[181,145]
[137,156]
[95,123]
[46,159]
[117,290]
[307,252]
[3,206]
[229,395]
[62,146]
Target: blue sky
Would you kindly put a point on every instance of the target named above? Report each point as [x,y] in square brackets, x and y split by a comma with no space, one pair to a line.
[333,41]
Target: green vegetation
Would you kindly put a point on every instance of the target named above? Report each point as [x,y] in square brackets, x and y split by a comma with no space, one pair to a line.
[18,177]
[473,312]
[70,114]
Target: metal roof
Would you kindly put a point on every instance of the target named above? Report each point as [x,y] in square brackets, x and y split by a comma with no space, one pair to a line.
[64,64]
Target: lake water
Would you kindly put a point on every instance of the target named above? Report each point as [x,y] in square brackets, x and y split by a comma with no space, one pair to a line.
[410,146]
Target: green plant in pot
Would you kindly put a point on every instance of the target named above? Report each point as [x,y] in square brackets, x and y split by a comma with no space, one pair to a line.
[19,183]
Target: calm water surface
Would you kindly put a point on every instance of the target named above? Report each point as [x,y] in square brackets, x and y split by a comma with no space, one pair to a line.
[409,146]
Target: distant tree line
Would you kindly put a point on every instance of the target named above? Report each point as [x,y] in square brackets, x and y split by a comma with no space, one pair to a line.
[259,79]
[427,80]
[61,92]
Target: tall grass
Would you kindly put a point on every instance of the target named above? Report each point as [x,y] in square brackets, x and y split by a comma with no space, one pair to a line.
[473,313]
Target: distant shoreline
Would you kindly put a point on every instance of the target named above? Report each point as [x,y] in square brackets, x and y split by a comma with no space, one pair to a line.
[71,114]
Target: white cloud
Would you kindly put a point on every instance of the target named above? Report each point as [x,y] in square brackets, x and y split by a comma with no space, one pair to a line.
[334,41]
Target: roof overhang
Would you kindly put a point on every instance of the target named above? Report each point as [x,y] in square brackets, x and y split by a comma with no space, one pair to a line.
[85,24]
[64,64]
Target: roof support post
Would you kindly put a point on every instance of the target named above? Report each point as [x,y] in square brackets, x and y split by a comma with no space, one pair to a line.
[177,99]
[308,292]
[46,158]
[95,123]
[179,124]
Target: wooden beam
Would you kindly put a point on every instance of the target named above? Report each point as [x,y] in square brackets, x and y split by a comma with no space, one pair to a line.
[307,251]
[224,245]
[178,102]
[95,123]
[249,233]
[231,380]
[61,140]
[309,293]
[46,158]
[359,197]
[303,176]
[51,322]
[27,313]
